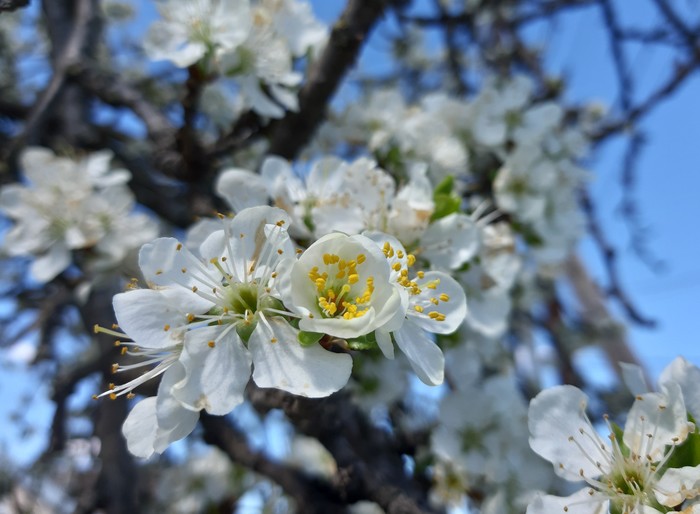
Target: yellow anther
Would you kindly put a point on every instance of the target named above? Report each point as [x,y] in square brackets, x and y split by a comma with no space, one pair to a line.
[166,327]
[273,340]
[340,274]
[178,247]
[112,396]
[111,386]
[184,270]
[194,289]
[396,266]
[320,283]
[124,350]
[96,328]
[434,301]
[418,308]
[352,279]
[211,344]
[444,297]
[115,367]
[190,318]
[400,254]
[273,274]
[361,258]
[433,284]
[420,274]
[280,251]
[410,259]
[130,396]
[280,223]
[117,343]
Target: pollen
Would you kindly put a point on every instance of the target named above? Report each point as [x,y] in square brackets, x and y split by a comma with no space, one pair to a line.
[211,344]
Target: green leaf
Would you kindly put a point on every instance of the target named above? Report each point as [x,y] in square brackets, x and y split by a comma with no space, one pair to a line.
[309,338]
[445,205]
[445,187]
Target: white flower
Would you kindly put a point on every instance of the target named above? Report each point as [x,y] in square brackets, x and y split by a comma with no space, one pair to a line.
[631,478]
[341,287]
[208,317]
[432,302]
[192,28]
[294,20]
[72,205]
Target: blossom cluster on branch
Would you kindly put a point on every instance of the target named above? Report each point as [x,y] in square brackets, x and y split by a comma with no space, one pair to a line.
[324,238]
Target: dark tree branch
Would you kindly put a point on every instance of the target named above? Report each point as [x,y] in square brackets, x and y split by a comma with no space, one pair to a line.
[12,5]
[68,56]
[325,76]
[618,53]
[311,495]
[365,455]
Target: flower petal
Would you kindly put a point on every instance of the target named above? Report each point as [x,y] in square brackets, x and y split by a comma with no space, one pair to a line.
[156,318]
[284,364]
[217,369]
[561,433]
[425,356]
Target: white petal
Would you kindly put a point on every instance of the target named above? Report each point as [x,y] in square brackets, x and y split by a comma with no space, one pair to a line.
[284,364]
[250,242]
[682,483]
[140,428]
[661,414]
[687,376]
[242,188]
[47,266]
[425,356]
[454,309]
[215,376]
[580,502]
[633,377]
[163,260]
[385,344]
[450,241]
[560,432]
[174,420]
[144,315]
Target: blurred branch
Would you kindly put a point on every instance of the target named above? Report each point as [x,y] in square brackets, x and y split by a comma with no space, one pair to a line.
[12,5]
[69,55]
[366,456]
[325,75]
[595,312]
[609,255]
[312,496]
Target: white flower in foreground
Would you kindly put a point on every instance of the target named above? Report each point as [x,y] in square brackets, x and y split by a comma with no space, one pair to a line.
[192,28]
[208,317]
[432,302]
[341,286]
[631,479]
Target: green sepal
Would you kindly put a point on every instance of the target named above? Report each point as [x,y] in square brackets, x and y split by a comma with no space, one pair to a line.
[309,338]
[366,342]
[446,201]
[445,187]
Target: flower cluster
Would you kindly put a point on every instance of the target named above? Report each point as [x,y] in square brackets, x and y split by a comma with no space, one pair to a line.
[247,298]
[251,43]
[68,206]
[647,467]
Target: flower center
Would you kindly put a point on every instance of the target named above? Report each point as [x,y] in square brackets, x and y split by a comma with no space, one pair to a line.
[338,289]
